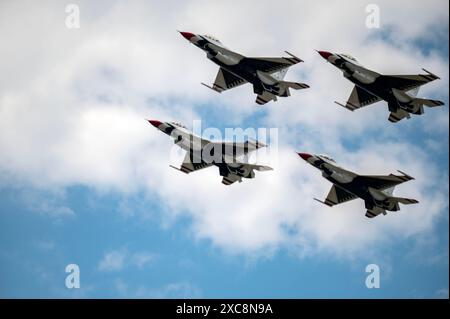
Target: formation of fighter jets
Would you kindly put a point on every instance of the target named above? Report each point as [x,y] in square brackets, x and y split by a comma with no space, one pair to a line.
[266,75]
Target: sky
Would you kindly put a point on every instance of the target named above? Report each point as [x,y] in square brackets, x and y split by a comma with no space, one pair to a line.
[85,180]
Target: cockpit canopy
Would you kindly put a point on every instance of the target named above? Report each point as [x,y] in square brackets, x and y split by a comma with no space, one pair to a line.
[348,56]
[179,124]
[212,38]
[326,157]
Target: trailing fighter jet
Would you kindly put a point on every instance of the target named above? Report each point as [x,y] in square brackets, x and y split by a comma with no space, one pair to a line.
[265,74]
[375,190]
[399,91]
[202,153]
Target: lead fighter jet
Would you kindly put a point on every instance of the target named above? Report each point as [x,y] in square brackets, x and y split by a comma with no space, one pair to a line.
[375,190]
[266,74]
[202,153]
[399,91]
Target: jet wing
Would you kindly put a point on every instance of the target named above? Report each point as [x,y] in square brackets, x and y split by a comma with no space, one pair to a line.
[226,80]
[406,82]
[189,165]
[337,196]
[360,98]
[381,182]
[270,65]
[239,148]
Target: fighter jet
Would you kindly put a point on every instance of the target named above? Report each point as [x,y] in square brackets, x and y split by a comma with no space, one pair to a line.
[265,74]
[202,153]
[375,190]
[399,91]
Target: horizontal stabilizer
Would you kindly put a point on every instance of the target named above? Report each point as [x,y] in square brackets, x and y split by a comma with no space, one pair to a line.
[404,201]
[399,115]
[260,168]
[294,85]
[265,97]
[230,179]
[371,213]
[427,102]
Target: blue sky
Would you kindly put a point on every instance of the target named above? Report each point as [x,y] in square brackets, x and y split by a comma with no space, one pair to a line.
[40,249]
[85,180]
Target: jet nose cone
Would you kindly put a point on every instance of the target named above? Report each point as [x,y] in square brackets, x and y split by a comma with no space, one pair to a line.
[155,123]
[305,156]
[325,54]
[187,35]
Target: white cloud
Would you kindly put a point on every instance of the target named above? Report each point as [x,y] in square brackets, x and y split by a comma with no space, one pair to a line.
[112,261]
[45,202]
[73,104]
[176,290]
[181,289]
[117,260]
[45,245]
[141,259]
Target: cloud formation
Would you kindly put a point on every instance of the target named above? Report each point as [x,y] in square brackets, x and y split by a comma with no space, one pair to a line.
[117,260]
[73,104]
